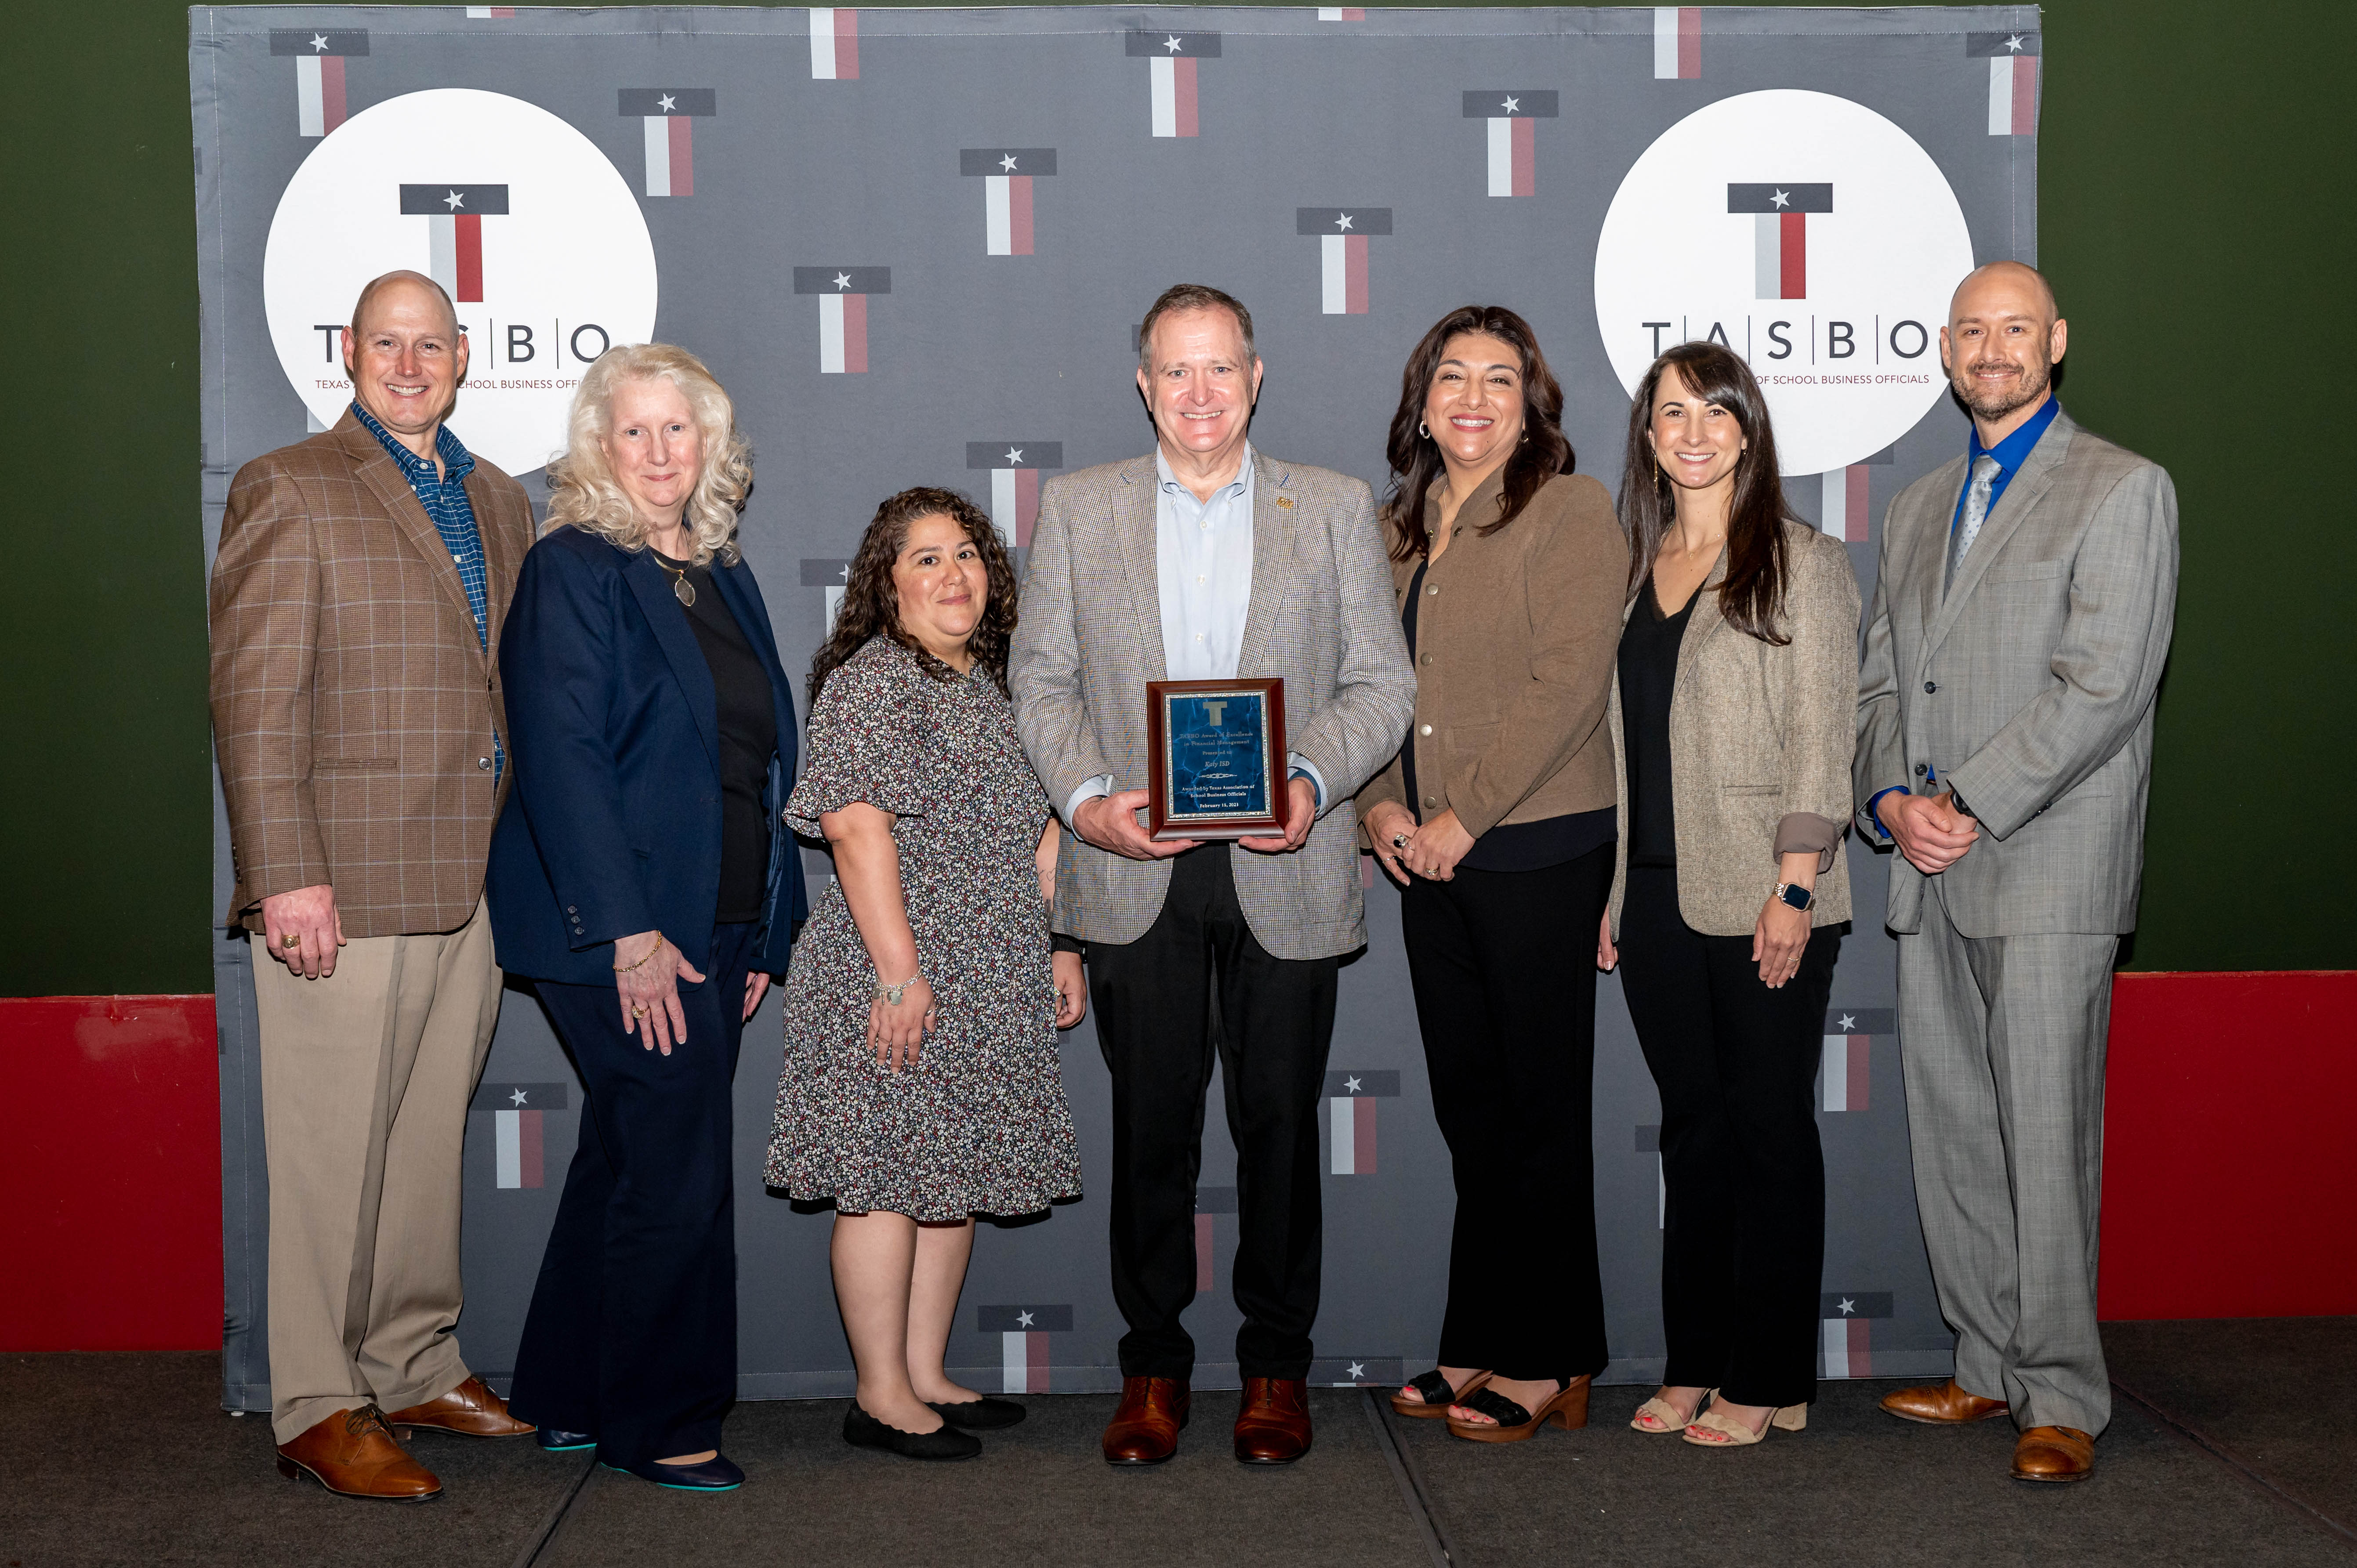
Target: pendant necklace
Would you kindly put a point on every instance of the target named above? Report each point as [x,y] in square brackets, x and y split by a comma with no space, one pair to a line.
[681,588]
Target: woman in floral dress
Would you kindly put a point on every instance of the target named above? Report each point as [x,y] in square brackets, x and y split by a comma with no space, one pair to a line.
[921,1084]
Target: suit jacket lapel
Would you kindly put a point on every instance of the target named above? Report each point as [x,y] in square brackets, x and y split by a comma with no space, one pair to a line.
[385,478]
[1134,523]
[2021,497]
[1705,621]
[1930,563]
[652,585]
[1272,571]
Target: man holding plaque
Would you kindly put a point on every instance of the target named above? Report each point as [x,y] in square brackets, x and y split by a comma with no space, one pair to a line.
[1207,642]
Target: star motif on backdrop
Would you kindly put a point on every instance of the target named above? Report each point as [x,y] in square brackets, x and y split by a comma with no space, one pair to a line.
[454,201]
[518,1097]
[1849,1305]
[1342,222]
[843,571]
[1007,163]
[1783,199]
[667,103]
[1352,1084]
[318,40]
[1510,105]
[2015,43]
[1171,43]
[1013,454]
[1848,1021]
[842,280]
[1357,1370]
[1024,1318]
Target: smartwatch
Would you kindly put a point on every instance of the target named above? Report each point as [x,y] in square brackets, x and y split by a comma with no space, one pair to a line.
[1793,894]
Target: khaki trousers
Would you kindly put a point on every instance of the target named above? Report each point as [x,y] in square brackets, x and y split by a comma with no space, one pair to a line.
[365,1080]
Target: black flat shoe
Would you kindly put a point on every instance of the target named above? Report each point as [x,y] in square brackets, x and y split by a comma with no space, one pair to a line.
[985,1414]
[555,1442]
[713,1474]
[862,1430]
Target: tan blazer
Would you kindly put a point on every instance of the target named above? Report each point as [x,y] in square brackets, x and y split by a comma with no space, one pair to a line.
[1513,660]
[1759,746]
[352,706]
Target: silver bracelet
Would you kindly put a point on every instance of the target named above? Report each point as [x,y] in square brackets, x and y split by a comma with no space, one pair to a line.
[892,994]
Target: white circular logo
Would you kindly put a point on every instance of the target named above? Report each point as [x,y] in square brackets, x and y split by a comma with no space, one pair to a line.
[530,227]
[1810,235]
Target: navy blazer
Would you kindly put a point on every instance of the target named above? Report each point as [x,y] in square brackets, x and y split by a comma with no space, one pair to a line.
[613,826]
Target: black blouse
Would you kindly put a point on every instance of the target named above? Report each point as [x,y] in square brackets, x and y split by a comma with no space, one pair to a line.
[1649,673]
[749,738]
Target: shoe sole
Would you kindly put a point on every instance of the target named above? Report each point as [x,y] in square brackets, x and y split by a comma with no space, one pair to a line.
[2053,1480]
[294,1470]
[1140,1464]
[1273,1464]
[1947,1420]
[568,1447]
[403,1430]
[671,1486]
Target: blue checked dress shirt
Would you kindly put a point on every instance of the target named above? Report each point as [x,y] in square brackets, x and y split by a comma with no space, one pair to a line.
[444,497]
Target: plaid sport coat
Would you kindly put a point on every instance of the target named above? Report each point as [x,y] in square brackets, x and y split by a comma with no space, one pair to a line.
[352,706]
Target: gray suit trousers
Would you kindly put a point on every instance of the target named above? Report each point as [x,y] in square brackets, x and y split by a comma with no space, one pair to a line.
[2003,1042]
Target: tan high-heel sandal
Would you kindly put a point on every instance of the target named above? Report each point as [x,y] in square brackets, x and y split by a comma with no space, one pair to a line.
[1567,1408]
[1665,1415]
[1434,1396]
[1733,1433]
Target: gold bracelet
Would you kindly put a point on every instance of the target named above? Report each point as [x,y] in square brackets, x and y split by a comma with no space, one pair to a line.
[626,968]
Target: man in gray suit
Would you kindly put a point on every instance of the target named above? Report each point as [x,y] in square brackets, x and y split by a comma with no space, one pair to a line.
[2019,624]
[1204,560]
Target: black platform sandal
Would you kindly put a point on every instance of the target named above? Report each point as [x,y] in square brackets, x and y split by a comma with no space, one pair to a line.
[1435,1395]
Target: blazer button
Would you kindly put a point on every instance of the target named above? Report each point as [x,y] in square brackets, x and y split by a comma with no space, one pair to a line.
[1430,804]
[1425,730]
[576,908]
[484,763]
[1931,686]
[1431,588]
[1423,659]
[1919,770]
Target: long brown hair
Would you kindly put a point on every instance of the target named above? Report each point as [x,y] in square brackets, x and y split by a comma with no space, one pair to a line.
[1751,595]
[1543,453]
[871,606]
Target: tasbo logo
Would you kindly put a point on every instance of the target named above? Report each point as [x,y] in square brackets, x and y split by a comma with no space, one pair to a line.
[531,229]
[1810,235]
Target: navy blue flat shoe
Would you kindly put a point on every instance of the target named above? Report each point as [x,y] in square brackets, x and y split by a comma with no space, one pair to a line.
[555,1442]
[713,1474]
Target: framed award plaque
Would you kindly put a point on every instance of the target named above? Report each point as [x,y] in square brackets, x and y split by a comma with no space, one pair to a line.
[1216,754]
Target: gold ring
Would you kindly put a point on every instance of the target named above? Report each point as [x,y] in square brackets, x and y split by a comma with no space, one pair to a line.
[290,941]
[637,1010]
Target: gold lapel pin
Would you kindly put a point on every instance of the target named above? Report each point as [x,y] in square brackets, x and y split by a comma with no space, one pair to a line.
[1284,501]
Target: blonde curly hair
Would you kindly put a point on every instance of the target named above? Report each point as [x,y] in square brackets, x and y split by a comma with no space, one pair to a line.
[581,484]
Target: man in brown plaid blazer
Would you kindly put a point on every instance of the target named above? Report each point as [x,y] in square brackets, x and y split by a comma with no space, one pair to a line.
[357,598]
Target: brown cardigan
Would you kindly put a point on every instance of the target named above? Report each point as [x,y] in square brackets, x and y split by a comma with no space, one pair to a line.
[1514,645]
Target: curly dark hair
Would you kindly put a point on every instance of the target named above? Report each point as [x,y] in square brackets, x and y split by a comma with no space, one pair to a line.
[1543,453]
[871,606]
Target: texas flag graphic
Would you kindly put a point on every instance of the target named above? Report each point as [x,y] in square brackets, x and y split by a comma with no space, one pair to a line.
[1648,1142]
[453,218]
[1350,1117]
[1841,1083]
[490,13]
[1211,1202]
[835,45]
[843,313]
[1358,1373]
[518,1138]
[1780,241]
[831,575]
[1341,14]
[319,55]
[1023,1342]
[1512,120]
[1006,174]
[1678,43]
[1848,504]
[1170,75]
[1342,252]
[1015,468]
[1847,1322]
[671,114]
[2013,79]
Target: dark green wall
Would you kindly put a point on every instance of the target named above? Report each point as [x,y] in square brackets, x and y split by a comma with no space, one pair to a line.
[2195,216]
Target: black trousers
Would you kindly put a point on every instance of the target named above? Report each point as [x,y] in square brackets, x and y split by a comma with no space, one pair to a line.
[1198,979]
[632,1330]
[1504,967]
[1743,1238]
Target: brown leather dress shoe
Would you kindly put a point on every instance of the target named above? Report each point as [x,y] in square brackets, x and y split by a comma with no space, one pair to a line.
[353,1455]
[1942,1404]
[471,1410]
[1145,1430]
[1272,1424]
[2053,1454]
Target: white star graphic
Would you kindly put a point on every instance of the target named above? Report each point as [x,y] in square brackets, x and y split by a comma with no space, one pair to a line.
[1007,163]
[1352,1084]
[454,201]
[1847,1023]
[1358,1370]
[1342,222]
[1171,43]
[1783,199]
[1014,455]
[1510,106]
[1024,1318]
[843,571]
[518,1097]
[1849,1305]
[318,40]
[667,103]
[842,280]
[2015,43]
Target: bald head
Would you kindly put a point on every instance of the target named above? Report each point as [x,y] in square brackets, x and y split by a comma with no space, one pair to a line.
[2003,339]
[406,356]
[422,289]
[2009,282]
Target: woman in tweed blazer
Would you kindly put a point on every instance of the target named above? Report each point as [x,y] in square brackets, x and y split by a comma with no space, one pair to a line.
[1731,720]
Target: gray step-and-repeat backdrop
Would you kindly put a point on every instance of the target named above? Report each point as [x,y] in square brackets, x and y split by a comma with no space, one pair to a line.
[915,244]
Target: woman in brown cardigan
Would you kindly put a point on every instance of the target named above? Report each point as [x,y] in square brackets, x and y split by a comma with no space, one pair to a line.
[1496,820]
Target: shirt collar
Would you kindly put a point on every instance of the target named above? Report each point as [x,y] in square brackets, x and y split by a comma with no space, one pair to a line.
[1233,489]
[2014,449]
[457,461]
